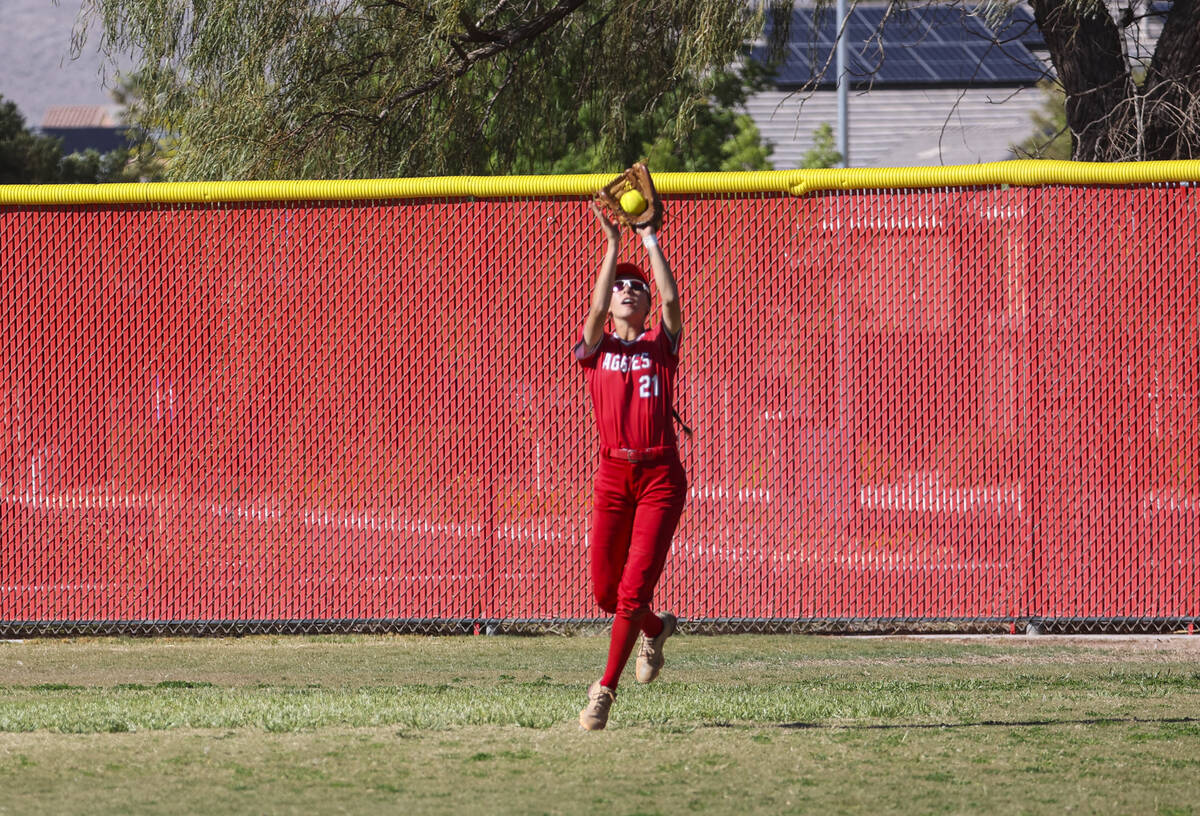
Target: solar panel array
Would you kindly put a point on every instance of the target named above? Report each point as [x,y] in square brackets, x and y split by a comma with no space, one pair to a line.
[937,45]
[1020,25]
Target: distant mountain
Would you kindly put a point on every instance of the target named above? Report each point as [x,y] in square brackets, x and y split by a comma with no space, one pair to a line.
[36,70]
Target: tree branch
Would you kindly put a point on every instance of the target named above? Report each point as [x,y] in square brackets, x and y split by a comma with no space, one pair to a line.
[496,42]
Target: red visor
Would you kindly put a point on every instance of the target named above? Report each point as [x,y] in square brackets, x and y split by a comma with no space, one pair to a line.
[628,270]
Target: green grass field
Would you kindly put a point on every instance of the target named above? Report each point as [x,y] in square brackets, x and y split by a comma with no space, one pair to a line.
[736,724]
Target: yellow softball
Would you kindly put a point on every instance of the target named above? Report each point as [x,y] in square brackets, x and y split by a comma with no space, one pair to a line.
[633,202]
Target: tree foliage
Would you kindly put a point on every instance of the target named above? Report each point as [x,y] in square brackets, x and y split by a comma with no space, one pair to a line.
[27,157]
[359,88]
[1051,138]
[824,152]
[354,88]
[720,138]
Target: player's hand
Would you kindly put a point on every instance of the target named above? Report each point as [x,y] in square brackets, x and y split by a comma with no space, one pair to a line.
[611,230]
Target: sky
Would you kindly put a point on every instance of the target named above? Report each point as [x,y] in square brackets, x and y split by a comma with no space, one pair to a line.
[36,69]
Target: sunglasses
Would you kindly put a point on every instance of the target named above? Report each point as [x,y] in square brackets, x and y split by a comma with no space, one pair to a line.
[633,284]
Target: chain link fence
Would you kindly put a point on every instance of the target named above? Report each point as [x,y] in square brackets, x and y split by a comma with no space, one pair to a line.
[972,409]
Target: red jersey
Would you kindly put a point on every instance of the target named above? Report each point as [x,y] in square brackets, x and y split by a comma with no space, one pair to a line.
[632,385]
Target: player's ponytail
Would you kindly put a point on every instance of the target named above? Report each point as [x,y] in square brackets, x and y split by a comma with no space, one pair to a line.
[682,425]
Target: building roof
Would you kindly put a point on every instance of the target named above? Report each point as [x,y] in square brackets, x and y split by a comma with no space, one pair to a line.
[79,116]
[925,46]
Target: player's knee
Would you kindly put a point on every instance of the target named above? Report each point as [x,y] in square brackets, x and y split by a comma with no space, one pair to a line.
[607,602]
[632,608]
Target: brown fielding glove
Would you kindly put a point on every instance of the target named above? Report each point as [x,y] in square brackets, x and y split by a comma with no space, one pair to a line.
[632,199]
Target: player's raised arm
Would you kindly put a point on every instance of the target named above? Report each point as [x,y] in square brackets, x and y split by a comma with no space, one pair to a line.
[593,327]
[664,281]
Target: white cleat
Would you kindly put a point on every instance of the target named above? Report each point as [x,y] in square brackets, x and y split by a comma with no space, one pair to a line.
[650,655]
[595,714]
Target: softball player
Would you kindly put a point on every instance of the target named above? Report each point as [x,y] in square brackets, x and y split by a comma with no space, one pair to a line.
[640,484]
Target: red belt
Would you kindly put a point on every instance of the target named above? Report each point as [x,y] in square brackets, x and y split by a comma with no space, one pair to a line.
[636,454]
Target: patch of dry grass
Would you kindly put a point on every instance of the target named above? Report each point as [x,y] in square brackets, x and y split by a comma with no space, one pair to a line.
[745,724]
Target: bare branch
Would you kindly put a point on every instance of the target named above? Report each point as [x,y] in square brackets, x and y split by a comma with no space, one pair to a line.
[497,41]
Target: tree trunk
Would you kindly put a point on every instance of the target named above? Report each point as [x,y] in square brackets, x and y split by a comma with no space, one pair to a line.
[1109,117]
[1172,87]
[1085,46]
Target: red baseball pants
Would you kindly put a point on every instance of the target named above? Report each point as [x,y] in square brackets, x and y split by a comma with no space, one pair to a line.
[635,509]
